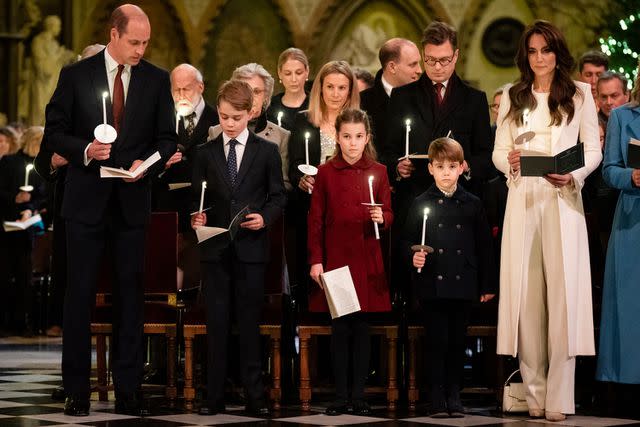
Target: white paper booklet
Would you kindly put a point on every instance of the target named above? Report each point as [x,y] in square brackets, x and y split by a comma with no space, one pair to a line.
[21,225]
[178,185]
[205,233]
[340,291]
[108,172]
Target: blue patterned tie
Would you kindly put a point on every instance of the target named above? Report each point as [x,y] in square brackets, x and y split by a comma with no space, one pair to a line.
[232,167]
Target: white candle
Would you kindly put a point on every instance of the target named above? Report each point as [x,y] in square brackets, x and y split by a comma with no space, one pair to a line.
[306,147]
[104,107]
[424,230]
[26,174]
[280,114]
[449,133]
[406,137]
[525,119]
[204,187]
[177,121]
[375,224]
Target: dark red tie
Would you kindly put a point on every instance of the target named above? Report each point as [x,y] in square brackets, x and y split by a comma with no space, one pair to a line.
[438,88]
[118,99]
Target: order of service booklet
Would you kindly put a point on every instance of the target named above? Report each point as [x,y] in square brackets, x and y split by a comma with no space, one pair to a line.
[340,292]
[533,164]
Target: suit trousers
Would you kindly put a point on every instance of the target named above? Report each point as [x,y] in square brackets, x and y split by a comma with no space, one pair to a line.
[343,328]
[445,322]
[85,248]
[233,284]
[545,365]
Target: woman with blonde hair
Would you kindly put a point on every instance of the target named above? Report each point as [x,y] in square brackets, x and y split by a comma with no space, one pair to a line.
[293,72]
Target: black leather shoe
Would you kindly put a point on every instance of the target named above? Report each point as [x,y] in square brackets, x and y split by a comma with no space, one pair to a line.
[76,407]
[337,409]
[360,407]
[131,404]
[211,409]
[258,409]
[58,394]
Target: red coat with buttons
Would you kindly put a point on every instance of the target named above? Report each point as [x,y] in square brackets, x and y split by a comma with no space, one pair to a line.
[340,230]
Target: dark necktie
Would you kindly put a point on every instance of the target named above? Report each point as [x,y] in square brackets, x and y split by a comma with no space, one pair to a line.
[438,88]
[232,164]
[118,99]
[191,123]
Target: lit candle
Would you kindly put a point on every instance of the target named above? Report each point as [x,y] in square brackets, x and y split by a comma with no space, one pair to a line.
[406,137]
[26,174]
[306,147]
[104,107]
[204,187]
[525,123]
[280,114]
[375,224]
[177,121]
[424,230]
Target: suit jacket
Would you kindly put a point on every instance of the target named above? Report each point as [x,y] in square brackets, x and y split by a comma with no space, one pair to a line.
[464,112]
[179,200]
[73,112]
[461,266]
[259,185]
[375,102]
[273,133]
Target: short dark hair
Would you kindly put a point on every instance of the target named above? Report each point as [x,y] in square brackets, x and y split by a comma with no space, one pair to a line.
[611,75]
[391,50]
[446,149]
[119,18]
[365,76]
[595,57]
[238,93]
[439,32]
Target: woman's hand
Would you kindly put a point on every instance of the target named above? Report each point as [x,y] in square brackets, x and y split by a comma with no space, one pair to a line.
[316,271]
[635,177]
[198,220]
[23,197]
[487,297]
[306,183]
[559,181]
[376,214]
[405,168]
[514,160]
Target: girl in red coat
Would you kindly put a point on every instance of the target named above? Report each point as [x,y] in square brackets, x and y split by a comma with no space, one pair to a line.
[341,232]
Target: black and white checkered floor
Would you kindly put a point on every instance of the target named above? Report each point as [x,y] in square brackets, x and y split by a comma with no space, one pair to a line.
[29,371]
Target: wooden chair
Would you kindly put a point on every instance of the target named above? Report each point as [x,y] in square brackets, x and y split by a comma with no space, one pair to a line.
[159,299]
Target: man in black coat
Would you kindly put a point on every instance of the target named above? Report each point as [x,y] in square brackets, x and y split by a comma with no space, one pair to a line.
[240,170]
[452,107]
[109,212]
[400,61]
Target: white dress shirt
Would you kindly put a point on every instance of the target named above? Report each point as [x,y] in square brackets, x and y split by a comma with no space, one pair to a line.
[242,143]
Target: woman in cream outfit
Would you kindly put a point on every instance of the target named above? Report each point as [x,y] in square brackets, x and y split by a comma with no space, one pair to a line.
[545,313]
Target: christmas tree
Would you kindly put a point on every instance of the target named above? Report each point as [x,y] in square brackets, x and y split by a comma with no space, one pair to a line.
[622,40]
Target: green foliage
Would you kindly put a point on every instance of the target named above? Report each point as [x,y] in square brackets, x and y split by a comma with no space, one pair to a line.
[621,42]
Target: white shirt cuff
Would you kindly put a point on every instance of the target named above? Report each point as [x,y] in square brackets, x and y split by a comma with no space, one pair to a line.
[86,159]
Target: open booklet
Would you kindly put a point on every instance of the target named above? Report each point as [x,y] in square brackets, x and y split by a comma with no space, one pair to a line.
[109,172]
[633,154]
[533,163]
[223,236]
[340,292]
[21,225]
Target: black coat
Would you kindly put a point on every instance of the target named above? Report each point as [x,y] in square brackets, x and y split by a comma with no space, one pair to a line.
[12,171]
[148,125]
[259,185]
[375,102]
[179,200]
[464,112]
[461,266]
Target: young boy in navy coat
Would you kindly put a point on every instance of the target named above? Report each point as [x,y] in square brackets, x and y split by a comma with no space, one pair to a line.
[241,170]
[458,272]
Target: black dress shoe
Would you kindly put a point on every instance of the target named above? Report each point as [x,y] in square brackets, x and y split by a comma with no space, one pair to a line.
[337,408]
[360,407]
[211,409]
[58,394]
[76,407]
[131,404]
[259,409]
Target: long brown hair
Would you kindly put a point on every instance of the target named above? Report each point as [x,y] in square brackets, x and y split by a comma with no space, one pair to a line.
[356,115]
[563,88]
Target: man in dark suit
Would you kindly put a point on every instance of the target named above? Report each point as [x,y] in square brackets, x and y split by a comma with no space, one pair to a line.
[400,61]
[438,103]
[240,170]
[108,212]
[170,193]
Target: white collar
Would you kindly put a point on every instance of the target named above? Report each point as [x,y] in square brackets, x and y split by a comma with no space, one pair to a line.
[242,138]
[386,85]
[112,64]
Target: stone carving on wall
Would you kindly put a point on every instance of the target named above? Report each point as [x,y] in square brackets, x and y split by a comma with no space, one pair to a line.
[40,72]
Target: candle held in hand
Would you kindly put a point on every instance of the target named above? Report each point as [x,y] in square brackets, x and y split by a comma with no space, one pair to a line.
[424,230]
[406,137]
[204,187]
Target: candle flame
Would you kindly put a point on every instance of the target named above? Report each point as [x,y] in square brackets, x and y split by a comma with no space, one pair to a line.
[280,114]
[526,112]
[426,211]
[407,122]
[204,184]
[105,94]
[307,135]
[29,167]
[371,179]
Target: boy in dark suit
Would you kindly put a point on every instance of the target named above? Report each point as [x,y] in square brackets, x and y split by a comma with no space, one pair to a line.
[241,170]
[456,273]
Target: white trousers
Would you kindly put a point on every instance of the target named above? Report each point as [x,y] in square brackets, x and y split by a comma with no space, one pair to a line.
[546,368]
